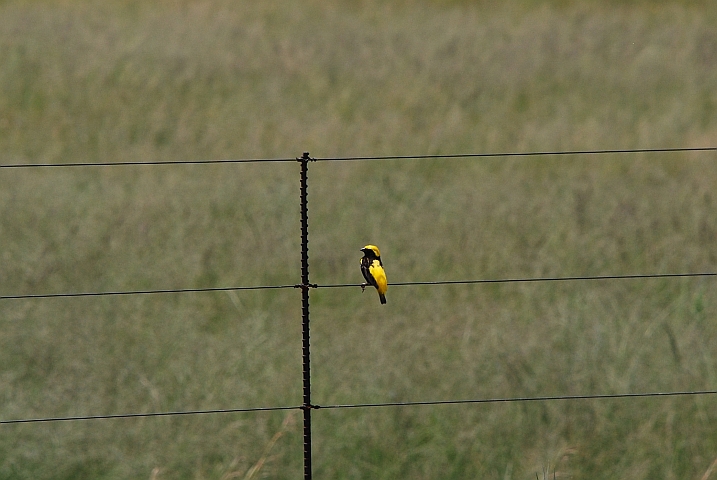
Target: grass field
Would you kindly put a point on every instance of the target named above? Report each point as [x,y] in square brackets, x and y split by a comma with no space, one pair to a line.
[89,81]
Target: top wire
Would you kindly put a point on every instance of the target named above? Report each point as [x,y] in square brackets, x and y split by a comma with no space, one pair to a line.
[525,154]
[158,162]
[388,157]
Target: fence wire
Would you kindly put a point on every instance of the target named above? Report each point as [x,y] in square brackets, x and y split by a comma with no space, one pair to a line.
[343,285]
[597,396]
[546,153]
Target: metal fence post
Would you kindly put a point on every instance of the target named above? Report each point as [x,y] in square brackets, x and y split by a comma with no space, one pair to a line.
[306,406]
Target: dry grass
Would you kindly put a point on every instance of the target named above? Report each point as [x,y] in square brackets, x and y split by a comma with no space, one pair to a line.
[87,81]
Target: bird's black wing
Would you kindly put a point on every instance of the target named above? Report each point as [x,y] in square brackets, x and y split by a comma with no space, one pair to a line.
[365,264]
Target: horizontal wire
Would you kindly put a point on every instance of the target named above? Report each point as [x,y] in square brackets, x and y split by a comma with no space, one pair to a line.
[534,279]
[524,154]
[157,162]
[364,405]
[140,415]
[387,157]
[520,399]
[339,285]
[142,292]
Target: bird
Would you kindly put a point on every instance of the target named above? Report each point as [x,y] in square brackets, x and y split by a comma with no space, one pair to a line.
[373,272]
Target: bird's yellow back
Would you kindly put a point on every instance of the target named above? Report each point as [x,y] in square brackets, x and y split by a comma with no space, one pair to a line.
[379,275]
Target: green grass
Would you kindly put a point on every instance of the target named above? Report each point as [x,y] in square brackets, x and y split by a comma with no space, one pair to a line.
[89,81]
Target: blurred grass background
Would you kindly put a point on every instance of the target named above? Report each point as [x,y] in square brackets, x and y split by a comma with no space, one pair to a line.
[85,81]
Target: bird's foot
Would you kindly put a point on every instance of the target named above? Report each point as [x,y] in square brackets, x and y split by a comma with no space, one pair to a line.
[363,287]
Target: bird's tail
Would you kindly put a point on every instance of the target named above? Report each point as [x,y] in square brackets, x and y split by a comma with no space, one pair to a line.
[382,297]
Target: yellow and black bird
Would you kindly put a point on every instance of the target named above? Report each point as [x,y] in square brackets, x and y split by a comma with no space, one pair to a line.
[373,272]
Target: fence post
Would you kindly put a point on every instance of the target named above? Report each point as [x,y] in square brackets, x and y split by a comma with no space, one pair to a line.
[306,406]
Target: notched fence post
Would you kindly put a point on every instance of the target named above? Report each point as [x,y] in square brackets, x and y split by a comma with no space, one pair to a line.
[305,286]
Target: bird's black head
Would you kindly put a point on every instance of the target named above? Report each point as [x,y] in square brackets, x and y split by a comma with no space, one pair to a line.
[371,251]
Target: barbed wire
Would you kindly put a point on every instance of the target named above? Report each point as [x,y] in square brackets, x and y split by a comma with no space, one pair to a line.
[547,398]
[340,285]
[361,158]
